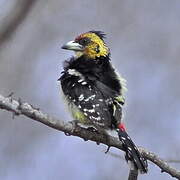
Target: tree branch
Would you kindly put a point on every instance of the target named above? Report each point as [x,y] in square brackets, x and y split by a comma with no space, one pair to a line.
[115,155]
[19,108]
[165,167]
[173,160]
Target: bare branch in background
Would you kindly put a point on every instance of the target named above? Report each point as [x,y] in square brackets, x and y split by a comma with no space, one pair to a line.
[172,161]
[19,108]
[15,18]
[115,155]
[160,162]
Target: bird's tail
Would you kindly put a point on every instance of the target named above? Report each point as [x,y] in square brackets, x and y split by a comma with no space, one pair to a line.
[133,174]
[132,153]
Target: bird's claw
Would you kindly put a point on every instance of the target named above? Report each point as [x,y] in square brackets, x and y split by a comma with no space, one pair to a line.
[107,149]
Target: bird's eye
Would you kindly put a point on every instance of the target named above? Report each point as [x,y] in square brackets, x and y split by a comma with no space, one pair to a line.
[84,41]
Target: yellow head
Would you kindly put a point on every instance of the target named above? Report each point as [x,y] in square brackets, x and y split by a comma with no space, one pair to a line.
[90,44]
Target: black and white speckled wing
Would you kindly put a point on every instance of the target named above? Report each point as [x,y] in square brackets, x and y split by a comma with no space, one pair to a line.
[94,99]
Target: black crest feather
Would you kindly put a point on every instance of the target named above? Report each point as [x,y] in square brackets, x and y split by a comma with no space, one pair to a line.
[101,34]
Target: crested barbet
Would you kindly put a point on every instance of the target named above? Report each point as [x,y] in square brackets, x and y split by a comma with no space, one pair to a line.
[95,91]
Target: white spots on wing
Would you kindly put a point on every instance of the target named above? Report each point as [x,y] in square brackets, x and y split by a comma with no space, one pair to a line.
[81,97]
[90,88]
[81,80]
[109,101]
[74,72]
[89,110]
[93,96]
[123,138]
[95,118]
[128,138]
[90,98]
[130,149]
[114,110]
[84,83]
[97,105]
[101,100]
[79,106]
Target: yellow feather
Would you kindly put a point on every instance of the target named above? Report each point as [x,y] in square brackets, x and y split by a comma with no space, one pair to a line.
[96,42]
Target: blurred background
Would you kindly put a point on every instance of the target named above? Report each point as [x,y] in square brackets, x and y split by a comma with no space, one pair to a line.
[144,40]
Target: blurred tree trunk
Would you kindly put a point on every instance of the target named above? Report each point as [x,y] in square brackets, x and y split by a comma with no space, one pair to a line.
[15,17]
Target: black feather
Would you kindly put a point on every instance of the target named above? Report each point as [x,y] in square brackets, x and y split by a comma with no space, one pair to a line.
[101,34]
[132,152]
[101,77]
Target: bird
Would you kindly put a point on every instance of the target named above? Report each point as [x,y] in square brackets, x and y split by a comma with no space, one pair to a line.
[95,91]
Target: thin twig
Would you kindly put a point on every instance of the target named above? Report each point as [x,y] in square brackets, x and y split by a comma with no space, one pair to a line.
[115,155]
[172,161]
[165,167]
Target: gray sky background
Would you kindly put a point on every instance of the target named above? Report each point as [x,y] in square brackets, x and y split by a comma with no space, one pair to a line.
[144,40]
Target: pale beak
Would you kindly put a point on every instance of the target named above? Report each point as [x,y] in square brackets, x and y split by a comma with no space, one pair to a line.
[72,45]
